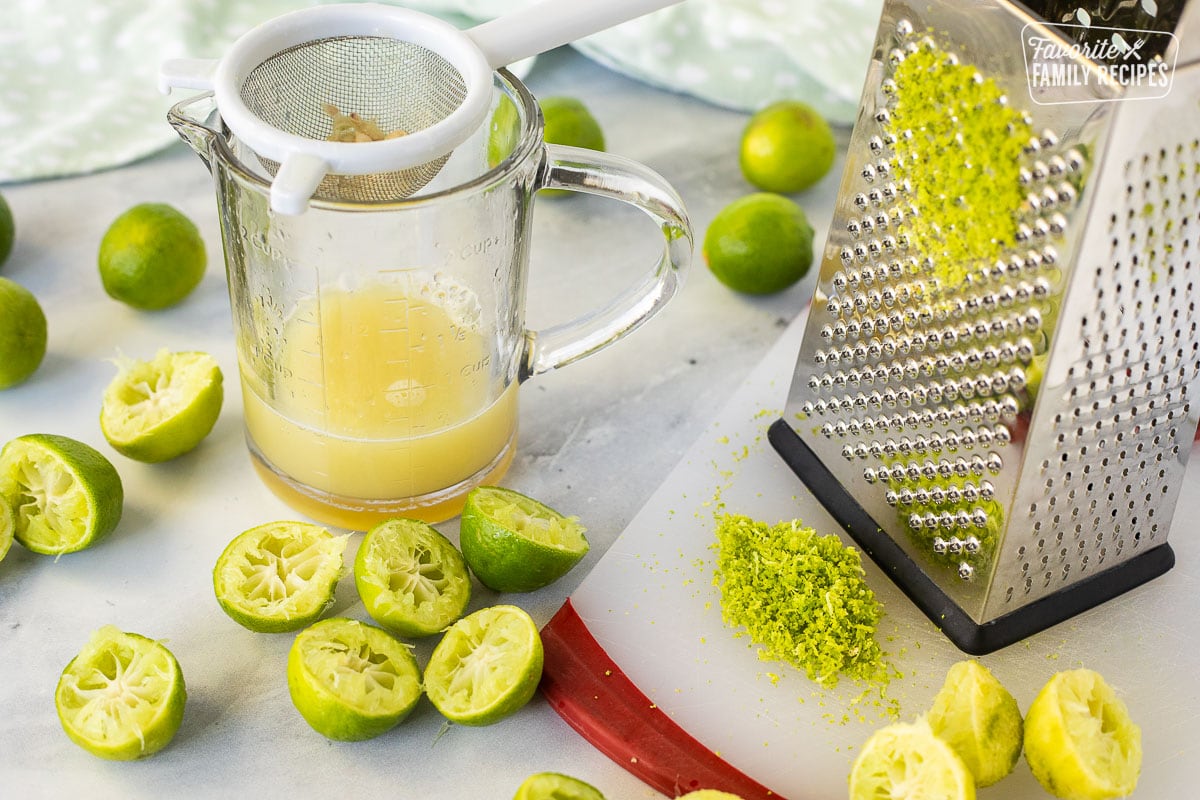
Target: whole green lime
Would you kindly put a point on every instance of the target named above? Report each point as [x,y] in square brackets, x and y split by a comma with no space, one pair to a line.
[569,122]
[7,230]
[786,147]
[151,257]
[759,244]
[22,333]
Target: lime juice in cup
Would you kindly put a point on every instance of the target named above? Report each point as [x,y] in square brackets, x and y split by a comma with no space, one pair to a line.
[415,394]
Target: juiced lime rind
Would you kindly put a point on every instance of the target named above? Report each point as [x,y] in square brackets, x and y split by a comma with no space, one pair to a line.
[351,681]
[66,495]
[8,526]
[513,543]
[411,578]
[980,719]
[280,576]
[486,667]
[1079,739]
[556,786]
[23,333]
[909,757]
[157,410]
[123,697]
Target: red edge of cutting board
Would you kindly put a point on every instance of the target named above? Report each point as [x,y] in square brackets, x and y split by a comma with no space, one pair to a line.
[591,693]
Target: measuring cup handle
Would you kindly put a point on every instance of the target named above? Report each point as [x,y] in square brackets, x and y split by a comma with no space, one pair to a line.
[608,175]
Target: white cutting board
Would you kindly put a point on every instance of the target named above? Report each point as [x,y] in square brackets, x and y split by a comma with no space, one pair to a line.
[651,604]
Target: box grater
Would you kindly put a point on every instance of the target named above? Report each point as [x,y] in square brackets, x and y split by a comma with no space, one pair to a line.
[995,393]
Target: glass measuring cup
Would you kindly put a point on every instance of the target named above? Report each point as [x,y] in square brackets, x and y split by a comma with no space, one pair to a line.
[381,344]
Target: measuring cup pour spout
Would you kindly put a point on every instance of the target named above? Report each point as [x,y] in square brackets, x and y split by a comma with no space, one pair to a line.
[193,120]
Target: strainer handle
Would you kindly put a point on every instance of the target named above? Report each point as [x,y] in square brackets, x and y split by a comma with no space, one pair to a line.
[547,24]
[609,175]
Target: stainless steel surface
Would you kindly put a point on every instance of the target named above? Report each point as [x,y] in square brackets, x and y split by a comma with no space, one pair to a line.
[1026,424]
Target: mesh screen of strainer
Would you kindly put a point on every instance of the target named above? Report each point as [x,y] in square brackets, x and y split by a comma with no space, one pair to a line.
[397,84]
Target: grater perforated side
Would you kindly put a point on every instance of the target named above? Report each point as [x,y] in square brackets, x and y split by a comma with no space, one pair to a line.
[1119,413]
[999,361]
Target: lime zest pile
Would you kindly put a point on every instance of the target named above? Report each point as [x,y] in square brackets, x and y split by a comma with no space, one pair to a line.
[802,597]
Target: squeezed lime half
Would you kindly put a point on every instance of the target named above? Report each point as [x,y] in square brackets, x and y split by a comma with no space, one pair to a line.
[906,760]
[977,716]
[66,495]
[122,697]
[350,680]
[280,576]
[160,409]
[556,786]
[513,543]
[411,578]
[486,667]
[8,526]
[1079,739]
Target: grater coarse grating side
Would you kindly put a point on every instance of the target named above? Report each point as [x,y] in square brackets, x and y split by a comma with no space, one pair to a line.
[996,390]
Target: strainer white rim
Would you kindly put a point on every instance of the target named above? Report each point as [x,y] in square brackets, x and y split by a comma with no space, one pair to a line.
[358,19]
[304,162]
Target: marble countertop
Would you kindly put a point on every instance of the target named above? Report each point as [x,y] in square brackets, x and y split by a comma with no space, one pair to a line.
[597,438]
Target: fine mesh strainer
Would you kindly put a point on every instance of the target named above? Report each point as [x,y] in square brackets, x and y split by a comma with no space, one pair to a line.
[996,390]
[424,85]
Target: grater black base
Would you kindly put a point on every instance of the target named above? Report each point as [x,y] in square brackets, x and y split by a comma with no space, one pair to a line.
[967,634]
